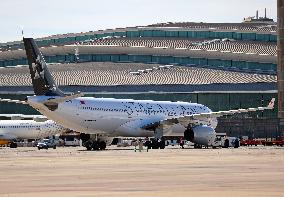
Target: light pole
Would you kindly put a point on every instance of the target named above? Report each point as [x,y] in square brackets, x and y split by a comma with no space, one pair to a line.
[280,65]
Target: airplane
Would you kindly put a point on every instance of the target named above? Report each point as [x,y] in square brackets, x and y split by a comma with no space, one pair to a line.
[37,128]
[119,117]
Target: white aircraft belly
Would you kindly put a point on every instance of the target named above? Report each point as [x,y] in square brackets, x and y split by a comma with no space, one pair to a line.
[106,125]
[68,121]
[133,132]
[175,130]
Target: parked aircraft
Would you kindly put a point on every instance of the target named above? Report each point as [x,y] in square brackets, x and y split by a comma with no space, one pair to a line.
[37,128]
[119,117]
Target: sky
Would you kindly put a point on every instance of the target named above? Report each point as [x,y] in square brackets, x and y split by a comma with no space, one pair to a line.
[41,18]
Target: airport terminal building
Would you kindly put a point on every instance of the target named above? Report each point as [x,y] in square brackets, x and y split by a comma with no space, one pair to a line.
[223,66]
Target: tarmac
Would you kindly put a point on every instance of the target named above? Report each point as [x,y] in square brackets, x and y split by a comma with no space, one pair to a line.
[246,171]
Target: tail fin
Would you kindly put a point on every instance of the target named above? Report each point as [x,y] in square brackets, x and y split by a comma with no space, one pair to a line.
[42,80]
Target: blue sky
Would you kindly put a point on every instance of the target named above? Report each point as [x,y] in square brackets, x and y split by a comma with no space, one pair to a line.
[43,18]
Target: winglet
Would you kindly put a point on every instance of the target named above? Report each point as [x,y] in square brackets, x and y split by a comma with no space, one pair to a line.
[271,103]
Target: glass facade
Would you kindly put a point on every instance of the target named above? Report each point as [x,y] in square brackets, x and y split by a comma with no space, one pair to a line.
[184,61]
[242,65]
[167,33]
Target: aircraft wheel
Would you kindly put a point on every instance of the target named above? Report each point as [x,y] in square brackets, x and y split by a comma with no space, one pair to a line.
[88,145]
[227,143]
[95,145]
[162,144]
[102,145]
[13,145]
[237,144]
[197,146]
[154,144]
[148,144]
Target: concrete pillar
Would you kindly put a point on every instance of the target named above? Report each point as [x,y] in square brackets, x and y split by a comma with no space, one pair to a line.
[280,66]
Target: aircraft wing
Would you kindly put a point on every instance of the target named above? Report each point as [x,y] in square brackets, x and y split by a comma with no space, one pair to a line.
[10,115]
[37,118]
[231,112]
[185,120]
[14,101]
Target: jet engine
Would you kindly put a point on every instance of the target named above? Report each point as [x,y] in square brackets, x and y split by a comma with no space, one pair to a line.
[201,135]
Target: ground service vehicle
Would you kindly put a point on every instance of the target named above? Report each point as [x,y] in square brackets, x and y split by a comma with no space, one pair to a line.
[46,143]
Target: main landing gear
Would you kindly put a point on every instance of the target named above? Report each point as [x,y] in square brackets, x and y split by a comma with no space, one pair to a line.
[95,145]
[158,142]
[155,144]
[13,145]
[92,143]
[197,146]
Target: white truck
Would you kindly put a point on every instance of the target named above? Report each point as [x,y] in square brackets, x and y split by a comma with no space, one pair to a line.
[46,143]
[72,141]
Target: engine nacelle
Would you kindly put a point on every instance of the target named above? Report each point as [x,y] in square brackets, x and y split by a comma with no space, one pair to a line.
[202,135]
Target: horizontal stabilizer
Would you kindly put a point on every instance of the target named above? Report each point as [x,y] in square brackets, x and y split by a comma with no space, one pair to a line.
[62,99]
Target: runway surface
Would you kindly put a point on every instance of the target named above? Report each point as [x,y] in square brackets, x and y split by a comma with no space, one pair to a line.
[256,171]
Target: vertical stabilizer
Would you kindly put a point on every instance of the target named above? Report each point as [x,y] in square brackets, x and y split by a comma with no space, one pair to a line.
[42,80]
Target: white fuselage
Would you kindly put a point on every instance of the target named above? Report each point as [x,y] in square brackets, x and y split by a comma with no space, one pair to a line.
[119,117]
[28,129]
